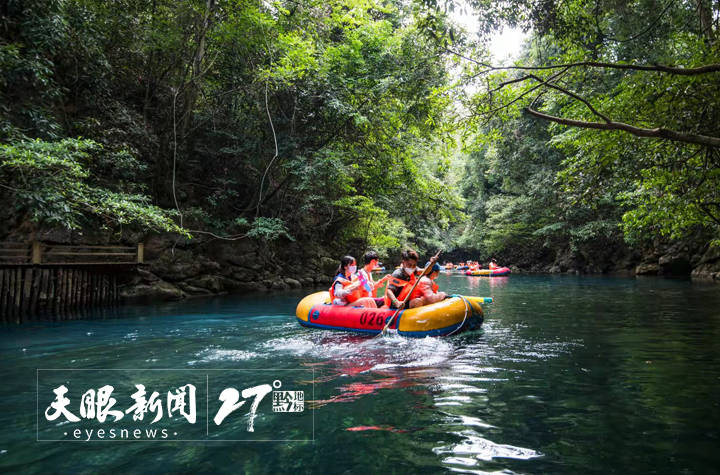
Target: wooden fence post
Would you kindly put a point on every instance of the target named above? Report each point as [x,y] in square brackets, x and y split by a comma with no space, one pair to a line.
[140,253]
[36,252]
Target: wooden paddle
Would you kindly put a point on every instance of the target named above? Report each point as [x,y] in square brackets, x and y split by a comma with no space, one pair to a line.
[425,272]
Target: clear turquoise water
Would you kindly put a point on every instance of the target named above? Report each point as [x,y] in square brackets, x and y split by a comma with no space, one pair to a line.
[568,375]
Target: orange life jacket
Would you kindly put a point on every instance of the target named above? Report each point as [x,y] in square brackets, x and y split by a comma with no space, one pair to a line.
[418,293]
[356,294]
[405,286]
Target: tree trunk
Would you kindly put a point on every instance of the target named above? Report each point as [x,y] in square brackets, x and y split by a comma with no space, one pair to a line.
[191,91]
[704,10]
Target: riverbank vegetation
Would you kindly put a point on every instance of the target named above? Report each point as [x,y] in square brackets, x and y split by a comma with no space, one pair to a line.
[356,124]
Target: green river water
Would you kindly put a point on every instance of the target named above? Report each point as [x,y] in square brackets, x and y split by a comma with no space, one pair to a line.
[568,375]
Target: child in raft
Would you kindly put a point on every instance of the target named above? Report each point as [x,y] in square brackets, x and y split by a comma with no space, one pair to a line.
[347,288]
[428,289]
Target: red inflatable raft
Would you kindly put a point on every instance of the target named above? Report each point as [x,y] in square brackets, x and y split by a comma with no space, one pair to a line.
[447,317]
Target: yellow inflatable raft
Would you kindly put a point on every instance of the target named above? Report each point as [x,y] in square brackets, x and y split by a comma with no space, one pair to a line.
[450,316]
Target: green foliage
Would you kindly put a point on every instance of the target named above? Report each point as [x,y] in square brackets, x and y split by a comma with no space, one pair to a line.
[268,229]
[188,104]
[185,106]
[674,204]
[51,182]
[578,188]
[372,224]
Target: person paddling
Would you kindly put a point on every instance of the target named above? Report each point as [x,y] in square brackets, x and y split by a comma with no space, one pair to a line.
[403,280]
[346,288]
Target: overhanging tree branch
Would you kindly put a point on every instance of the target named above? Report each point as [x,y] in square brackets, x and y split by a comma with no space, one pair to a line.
[658,132]
[573,95]
[609,124]
[524,78]
[659,68]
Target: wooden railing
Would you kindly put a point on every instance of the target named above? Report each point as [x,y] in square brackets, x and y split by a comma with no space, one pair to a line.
[15,253]
[38,253]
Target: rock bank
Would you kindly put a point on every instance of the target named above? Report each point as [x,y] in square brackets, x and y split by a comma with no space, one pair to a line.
[175,271]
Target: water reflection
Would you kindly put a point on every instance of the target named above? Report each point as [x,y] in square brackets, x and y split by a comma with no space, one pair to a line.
[352,391]
[498,282]
[476,283]
[483,285]
[457,375]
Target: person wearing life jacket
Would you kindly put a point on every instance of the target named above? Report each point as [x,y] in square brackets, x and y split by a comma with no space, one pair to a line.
[370,261]
[428,289]
[346,288]
[403,279]
[493,265]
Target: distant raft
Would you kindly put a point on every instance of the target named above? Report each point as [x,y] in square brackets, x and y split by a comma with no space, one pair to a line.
[452,315]
[500,271]
[378,269]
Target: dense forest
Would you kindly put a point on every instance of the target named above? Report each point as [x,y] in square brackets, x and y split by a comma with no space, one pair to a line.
[319,128]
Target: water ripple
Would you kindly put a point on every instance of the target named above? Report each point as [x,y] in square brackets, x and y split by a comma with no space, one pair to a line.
[217,354]
[483,449]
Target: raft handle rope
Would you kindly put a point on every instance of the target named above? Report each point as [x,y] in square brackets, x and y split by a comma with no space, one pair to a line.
[468,311]
[468,306]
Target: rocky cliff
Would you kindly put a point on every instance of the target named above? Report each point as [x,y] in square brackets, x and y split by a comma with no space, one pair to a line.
[176,271]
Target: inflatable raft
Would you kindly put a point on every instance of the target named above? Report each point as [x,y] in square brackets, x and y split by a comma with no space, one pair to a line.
[452,315]
[378,269]
[500,271]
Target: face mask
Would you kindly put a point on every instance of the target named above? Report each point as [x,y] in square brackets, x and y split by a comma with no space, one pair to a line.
[410,270]
[352,269]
